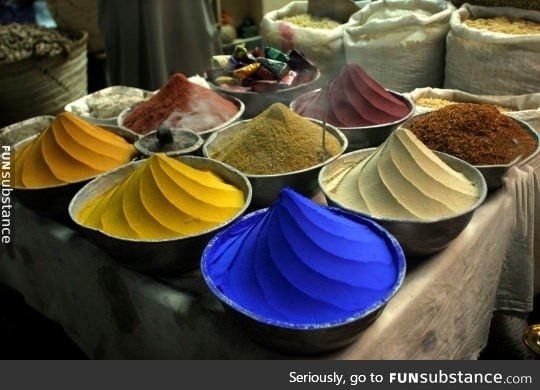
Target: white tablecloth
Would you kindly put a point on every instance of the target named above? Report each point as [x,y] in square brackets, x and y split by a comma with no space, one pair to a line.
[442,311]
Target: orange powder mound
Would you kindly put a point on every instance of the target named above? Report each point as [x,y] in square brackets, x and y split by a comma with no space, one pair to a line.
[69,150]
[163,198]
[180,103]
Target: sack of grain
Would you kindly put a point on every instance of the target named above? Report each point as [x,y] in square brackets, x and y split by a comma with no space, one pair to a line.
[429,99]
[41,70]
[493,51]
[321,41]
[400,43]
[525,4]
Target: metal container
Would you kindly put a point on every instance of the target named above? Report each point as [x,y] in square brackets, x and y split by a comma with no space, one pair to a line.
[362,137]
[53,201]
[494,173]
[417,238]
[17,132]
[257,102]
[205,133]
[301,339]
[158,257]
[84,106]
[184,141]
[266,188]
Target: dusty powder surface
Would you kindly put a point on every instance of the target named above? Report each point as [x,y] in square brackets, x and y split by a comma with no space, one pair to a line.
[276,141]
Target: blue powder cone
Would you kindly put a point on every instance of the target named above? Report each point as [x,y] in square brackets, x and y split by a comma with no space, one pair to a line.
[303,265]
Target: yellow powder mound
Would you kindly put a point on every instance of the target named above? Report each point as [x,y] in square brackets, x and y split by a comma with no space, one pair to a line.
[163,198]
[69,150]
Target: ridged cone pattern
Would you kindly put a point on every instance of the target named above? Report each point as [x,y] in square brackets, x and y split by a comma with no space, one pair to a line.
[353,99]
[403,179]
[163,198]
[302,263]
[69,150]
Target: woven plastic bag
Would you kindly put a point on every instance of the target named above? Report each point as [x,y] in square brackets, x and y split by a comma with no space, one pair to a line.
[322,46]
[491,63]
[400,43]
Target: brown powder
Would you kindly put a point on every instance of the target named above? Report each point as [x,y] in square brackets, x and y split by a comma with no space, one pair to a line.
[476,133]
[276,141]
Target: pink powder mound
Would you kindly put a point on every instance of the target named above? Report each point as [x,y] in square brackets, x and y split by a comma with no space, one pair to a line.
[353,99]
[180,103]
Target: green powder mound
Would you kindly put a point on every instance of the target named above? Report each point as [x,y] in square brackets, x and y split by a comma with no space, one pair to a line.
[276,141]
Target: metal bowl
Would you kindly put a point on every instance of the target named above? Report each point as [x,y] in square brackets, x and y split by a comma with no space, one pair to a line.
[266,188]
[205,133]
[257,102]
[53,201]
[158,257]
[82,107]
[493,174]
[362,137]
[417,238]
[149,143]
[17,132]
[295,338]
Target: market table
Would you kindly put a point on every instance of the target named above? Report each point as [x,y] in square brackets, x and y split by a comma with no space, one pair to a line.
[442,311]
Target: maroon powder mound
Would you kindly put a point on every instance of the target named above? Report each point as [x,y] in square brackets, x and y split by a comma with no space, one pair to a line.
[353,99]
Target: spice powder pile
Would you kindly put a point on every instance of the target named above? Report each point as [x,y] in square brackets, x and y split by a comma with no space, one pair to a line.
[180,103]
[476,133]
[276,141]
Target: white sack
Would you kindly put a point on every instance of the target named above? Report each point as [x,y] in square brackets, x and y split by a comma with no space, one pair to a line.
[401,44]
[324,47]
[524,106]
[491,63]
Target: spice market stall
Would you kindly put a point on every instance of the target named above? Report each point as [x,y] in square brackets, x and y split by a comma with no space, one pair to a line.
[443,309]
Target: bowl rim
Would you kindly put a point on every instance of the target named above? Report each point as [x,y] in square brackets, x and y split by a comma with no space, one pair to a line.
[342,138]
[278,91]
[528,127]
[27,121]
[393,246]
[239,103]
[482,191]
[115,129]
[107,91]
[403,96]
[132,166]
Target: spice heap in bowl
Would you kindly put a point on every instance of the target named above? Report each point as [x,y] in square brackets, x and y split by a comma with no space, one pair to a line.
[104,106]
[262,77]
[181,103]
[303,278]
[425,199]
[358,105]
[479,134]
[50,167]
[156,215]
[275,149]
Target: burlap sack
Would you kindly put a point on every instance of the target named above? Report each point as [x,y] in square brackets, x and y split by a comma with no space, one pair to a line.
[43,86]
